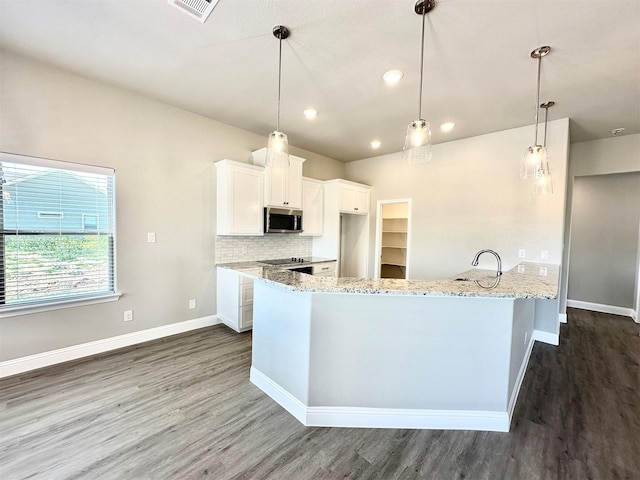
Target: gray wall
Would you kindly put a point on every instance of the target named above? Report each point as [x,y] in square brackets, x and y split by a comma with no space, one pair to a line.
[598,157]
[470,197]
[604,239]
[163,157]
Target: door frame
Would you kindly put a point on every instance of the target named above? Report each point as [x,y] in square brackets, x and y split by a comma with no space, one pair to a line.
[378,243]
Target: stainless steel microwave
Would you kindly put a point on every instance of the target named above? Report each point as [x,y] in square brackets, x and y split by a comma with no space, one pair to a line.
[282,220]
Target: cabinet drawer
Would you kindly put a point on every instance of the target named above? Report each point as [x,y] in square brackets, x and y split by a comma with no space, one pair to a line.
[325,269]
[325,274]
[246,317]
[246,294]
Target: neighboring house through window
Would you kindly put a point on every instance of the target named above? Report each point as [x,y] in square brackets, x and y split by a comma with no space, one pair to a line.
[58,231]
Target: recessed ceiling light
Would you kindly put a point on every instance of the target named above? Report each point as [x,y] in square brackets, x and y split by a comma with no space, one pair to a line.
[310,113]
[392,77]
[375,144]
[447,127]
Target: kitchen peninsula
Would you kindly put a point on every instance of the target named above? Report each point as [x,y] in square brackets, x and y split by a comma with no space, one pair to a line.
[446,354]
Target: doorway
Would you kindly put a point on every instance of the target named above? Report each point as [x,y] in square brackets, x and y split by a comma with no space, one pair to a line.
[605,234]
[393,236]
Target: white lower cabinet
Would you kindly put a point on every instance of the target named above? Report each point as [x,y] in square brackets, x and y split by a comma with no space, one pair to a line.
[235,300]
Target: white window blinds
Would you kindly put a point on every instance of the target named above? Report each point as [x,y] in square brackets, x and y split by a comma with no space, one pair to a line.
[58,231]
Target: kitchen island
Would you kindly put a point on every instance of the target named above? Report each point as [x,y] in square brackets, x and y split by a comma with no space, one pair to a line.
[447,354]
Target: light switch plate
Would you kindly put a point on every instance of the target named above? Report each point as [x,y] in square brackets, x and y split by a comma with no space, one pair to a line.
[151,237]
[544,254]
[192,303]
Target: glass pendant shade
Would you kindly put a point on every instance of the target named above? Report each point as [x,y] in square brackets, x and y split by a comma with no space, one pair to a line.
[277,150]
[534,161]
[543,184]
[278,145]
[417,145]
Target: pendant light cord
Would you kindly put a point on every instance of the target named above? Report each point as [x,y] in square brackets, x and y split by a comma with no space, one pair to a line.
[279,82]
[421,66]
[538,99]
[546,112]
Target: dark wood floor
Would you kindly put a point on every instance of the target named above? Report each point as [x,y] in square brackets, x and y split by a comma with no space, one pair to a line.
[183,408]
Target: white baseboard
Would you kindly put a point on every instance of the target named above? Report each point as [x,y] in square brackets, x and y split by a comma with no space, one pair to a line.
[546,337]
[53,357]
[562,317]
[598,307]
[287,401]
[361,417]
[520,378]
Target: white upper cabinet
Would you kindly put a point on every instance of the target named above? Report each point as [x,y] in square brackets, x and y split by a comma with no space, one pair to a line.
[312,207]
[283,186]
[239,196]
[354,198]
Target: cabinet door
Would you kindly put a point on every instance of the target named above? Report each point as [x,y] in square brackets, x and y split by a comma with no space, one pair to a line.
[246,203]
[312,208]
[294,184]
[361,201]
[276,180]
[239,199]
[347,199]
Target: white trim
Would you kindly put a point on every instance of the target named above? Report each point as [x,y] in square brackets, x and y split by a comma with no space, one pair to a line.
[53,357]
[12,311]
[287,401]
[562,317]
[546,337]
[354,417]
[57,164]
[519,379]
[598,307]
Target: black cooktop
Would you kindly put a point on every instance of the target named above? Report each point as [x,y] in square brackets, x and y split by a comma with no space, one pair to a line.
[284,261]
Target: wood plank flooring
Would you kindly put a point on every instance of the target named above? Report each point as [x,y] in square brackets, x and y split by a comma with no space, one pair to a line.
[183,408]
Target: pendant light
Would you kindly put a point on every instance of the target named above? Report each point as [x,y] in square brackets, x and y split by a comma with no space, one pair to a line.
[535,155]
[543,183]
[278,145]
[417,145]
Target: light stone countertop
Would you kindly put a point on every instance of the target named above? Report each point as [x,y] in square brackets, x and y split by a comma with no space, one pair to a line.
[526,280]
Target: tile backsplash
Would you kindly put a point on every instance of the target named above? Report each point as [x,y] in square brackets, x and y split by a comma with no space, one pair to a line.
[241,249]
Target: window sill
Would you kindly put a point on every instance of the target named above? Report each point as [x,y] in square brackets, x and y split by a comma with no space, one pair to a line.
[15,310]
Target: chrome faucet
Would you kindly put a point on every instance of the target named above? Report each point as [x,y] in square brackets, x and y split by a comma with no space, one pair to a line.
[477,257]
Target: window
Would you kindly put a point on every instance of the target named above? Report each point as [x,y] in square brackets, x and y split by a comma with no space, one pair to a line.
[58,231]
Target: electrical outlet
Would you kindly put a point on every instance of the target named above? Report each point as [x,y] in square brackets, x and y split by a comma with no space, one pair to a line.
[521,269]
[522,253]
[544,254]
[128,315]
[192,303]
[543,271]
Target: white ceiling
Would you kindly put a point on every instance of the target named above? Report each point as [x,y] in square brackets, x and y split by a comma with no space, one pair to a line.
[478,72]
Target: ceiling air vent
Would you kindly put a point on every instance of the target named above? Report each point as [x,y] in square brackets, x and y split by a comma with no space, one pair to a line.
[198,9]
